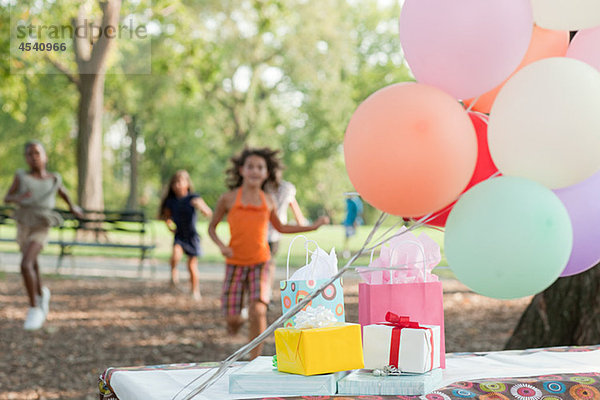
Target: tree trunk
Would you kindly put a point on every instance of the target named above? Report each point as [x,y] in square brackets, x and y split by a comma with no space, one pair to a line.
[89,142]
[565,314]
[132,130]
[91,66]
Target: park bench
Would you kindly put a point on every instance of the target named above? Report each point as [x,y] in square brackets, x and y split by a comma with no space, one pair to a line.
[104,229]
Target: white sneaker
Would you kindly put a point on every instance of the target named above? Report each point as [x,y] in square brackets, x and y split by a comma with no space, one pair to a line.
[35,319]
[43,301]
[196,295]
[45,304]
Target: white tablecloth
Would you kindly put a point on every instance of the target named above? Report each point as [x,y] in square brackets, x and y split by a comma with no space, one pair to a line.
[164,384]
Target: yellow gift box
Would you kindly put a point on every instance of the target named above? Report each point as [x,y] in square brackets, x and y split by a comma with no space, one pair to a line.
[319,350]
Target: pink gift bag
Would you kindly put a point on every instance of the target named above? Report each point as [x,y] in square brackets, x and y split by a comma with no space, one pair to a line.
[401,281]
[421,301]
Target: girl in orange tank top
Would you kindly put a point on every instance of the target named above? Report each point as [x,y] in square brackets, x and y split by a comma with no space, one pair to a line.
[248,225]
[249,211]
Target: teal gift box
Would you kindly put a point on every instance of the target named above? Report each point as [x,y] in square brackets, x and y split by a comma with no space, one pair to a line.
[363,382]
[259,377]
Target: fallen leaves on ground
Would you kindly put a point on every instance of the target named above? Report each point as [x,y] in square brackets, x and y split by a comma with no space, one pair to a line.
[99,323]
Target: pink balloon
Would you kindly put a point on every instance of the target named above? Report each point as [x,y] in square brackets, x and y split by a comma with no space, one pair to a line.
[584,47]
[465,47]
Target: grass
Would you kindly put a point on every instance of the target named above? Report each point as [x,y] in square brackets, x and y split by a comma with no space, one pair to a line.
[328,237]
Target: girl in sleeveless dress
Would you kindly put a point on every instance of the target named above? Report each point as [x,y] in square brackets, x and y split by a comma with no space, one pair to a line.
[178,210]
[249,210]
[34,192]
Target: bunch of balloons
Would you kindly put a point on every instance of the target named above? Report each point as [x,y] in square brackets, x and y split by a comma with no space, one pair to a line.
[519,190]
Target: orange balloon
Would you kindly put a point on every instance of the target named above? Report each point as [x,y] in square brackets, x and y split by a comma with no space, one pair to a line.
[544,43]
[410,149]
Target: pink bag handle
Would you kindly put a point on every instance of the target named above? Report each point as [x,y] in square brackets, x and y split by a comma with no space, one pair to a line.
[306,243]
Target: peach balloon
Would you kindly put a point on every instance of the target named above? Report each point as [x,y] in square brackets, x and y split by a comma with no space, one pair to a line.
[545,43]
[410,149]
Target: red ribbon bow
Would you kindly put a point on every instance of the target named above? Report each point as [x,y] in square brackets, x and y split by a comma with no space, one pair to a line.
[399,323]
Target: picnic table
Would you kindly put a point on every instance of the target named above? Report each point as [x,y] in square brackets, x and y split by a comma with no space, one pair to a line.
[536,374]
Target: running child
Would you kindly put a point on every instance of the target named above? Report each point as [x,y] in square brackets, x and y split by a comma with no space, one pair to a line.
[249,210]
[34,192]
[178,210]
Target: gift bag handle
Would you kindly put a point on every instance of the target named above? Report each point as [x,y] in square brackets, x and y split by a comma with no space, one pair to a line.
[306,243]
[393,252]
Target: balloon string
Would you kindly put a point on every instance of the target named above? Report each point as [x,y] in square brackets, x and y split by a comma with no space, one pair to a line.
[472,103]
[194,390]
[432,216]
[289,314]
[244,350]
[482,116]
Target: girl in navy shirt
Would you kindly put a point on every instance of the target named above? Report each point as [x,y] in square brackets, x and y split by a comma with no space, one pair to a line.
[178,210]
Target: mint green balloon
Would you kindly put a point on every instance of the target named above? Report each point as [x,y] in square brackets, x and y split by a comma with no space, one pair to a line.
[508,237]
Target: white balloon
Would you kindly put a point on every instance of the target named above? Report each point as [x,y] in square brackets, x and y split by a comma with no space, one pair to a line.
[569,15]
[545,124]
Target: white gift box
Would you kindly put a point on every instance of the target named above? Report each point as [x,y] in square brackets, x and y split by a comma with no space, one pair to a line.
[259,377]
[418,349]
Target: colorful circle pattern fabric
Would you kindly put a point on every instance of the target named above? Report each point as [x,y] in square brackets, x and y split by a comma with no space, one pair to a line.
[555,387]
[463,393]
[495,387]
[493,396]
[584,392]
[586,380]
[526,392]
[436,396]
[463,385]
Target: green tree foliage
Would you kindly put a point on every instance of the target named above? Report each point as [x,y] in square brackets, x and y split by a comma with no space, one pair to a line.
[31,109]
[286,74]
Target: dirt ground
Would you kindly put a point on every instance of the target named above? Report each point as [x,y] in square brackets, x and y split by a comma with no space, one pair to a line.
[108,322]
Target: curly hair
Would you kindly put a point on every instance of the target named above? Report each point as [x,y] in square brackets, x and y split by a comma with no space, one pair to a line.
[271,157]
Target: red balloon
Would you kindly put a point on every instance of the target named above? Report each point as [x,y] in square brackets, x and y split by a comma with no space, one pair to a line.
[484,168]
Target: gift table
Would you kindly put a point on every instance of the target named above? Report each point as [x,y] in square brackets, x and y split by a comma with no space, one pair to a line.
[550,374]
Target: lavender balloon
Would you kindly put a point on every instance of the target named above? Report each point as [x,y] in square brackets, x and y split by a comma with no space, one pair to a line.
[583,205]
